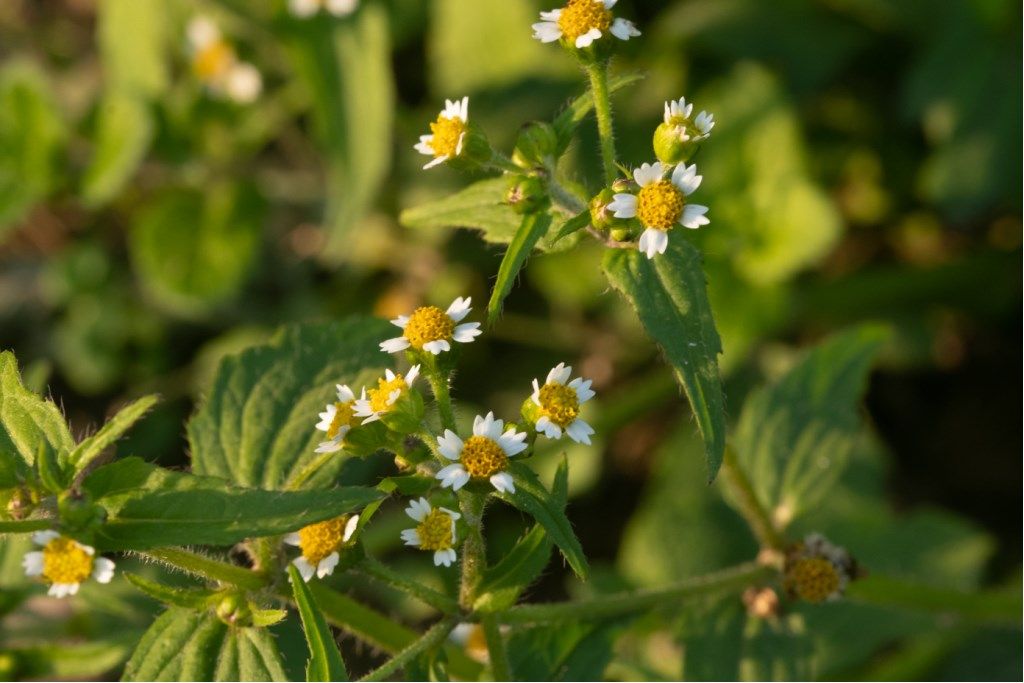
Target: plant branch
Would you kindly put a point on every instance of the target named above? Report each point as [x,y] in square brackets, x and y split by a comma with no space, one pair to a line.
[500,669]
[474,551]
[598,74]
[749,506]
[380,572]
[434,637]
[442,394]
[207,567]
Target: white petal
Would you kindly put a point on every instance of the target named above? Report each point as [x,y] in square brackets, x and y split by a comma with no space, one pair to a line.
[394,345]
[648,173]
[103,569]
[345,394]
[653,241]
[579,431]
[693,216]
[60,590]
[411,537]
[33,563]
[334,445]
[402,320]
[418,509]
[582,388]
[244,83]
[587,38]
[291,538]
[454,475]
[437,161]
[303,9]
[608,4]
[450,445]
[44,537]
[549,428]
[327,565]
[341,8]
[444,557]
[423,147]
[686,179]
[559,374]
[350,527]
[704,123]
[87,548]
[535,396]
[451,513]
[551,15]
[623,205]
[201,32]
[502,481]
[466,332]
[623,29]
[459,309]
[306,570]
[547,31]
[437,346]
[410,377]
[512,442]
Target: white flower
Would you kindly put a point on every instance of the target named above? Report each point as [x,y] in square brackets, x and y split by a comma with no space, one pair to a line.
[375,402]
[447,133]
[677,115]
[435,531]
[482,456]
[320,543]
[558,403]
[431,329]
[303,9]
[217,66]
[337,419]
[581,22]
[65,563]
[661,204]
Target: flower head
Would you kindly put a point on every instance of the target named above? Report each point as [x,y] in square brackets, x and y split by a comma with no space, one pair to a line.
[677,118]
[216,65]
[482,456]
[319,544]
[373,403]
[447,134]
[303,9]
[337,419]
[581,22]
[661,204]
[818,571]
[431,329]
[65,563]
[435,530]
[558,403]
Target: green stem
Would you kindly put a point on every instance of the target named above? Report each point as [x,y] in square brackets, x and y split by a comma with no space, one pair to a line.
[500,669]
[598,73]
[619,604]
[474,551]
[749,506]
[381,572]
[500,162]
[207,567]
[565,199]
[442,394]
[434,637]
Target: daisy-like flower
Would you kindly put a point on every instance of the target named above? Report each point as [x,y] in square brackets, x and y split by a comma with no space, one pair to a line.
[216,65]
[435,530]
[581,22]
[431,329]
[817,570]
[319,544]
[447,133]
[558,403]
[373,403]
[65,563]
[677,117]
[661,204]
[482,456]
[337,419]
[303,9]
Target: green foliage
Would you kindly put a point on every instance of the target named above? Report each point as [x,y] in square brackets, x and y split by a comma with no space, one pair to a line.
[533,227]
[502,584]
[480,206]
[92,447]
[122,135]
[325,662]
[563,652]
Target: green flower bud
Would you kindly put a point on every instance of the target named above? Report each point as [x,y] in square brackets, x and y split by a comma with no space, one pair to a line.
[526,195]
[536,145]
[234,610]
[600,217]
[671,144]
[21,502]
[78,512]
[476,150]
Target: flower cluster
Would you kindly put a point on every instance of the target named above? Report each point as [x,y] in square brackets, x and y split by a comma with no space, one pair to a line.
[303,9]
[65,564]
[216,64]
[817,570]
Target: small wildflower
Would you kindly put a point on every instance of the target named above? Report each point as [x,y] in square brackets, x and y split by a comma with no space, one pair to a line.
[337,419]
[373,403]
[581,22]
[482,456]
[661,204]
[447,134]
[303,9]
[216,65]
[431,329]
[558,403]
[65,563]
[818,571]
[677,115]
[435,530]
[470,637]
[320,543]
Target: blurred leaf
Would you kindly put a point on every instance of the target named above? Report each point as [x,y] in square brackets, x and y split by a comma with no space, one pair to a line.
[70,661]
[91,448]
[325,662]
[569,119]
[480,206]
[194,250]
[533,227]
[24,526]
[794,437]
[148,507]
[121,138]
[711,634]
[187,646]
[670,297]
[574,224]
[502,583]
[133,41]
[31,136]
[569,651]
[256,425]
[776,650]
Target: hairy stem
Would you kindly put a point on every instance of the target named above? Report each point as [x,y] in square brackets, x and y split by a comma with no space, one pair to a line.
[434,637]
[442,394]
[500,669]
[749,506]
[381,572]
[474,551]
[598,74]
[207,567]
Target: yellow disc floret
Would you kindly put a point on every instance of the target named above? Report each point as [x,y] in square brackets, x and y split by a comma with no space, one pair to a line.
[447,134]
[380,397]
[483,457]
[812,579]
[560,403]
[344,416]
[659,205]
[427,324]
[435,531]
[319,540]
[580,16]
[213,60]
[65,561]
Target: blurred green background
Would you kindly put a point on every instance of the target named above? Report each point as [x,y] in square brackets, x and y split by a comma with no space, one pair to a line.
[865,166]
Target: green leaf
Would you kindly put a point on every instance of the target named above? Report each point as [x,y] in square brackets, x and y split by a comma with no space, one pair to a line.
[191,598]
[69,661]
[562,652]
[23,526]
[532,498]
[533,227]
[574,224]
[325,662]
[794,437]
[256,426]
[133,40]
[51,474]
[566,122]
[669,294]
[123,132]
[480,206]
[184,645]
[502,584]
[89,449]
[148,507]
[193,250]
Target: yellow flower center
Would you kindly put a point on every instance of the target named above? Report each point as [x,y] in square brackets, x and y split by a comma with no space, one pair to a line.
[447,134]
[319,540]
[579,16]
[344,416]
[812,578]
[659,205]
[213,60]
[435,531]
[379,397]
[560,403]
[64,561]
[427,324]
[483,457]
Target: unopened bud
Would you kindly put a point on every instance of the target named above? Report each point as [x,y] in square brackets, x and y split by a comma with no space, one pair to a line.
[762,603]
[672,144]
[536,145]
[234,610]
[526,194]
